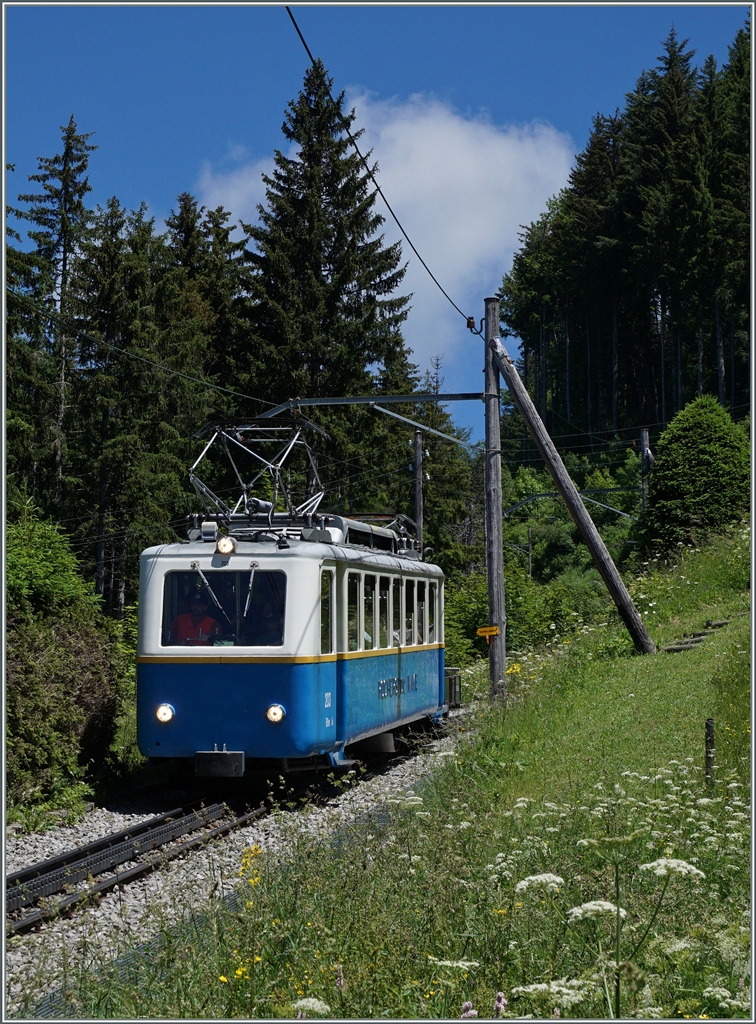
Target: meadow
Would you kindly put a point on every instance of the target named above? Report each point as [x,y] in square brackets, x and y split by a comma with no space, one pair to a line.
[570,858]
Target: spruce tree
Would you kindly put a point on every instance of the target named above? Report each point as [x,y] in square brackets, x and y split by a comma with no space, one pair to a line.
[326,315]
[29,376]
[60,219]
[324,282]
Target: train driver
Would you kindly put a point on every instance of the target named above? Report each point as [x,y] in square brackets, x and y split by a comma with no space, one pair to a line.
[195,628]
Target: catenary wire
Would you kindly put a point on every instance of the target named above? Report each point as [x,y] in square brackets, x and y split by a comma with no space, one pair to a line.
[345,126]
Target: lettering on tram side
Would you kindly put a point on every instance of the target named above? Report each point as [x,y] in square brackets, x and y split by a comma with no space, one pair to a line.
[397,685]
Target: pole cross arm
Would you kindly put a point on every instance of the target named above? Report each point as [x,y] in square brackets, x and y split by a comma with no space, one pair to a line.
[578,511]
[295,404]
[421,426]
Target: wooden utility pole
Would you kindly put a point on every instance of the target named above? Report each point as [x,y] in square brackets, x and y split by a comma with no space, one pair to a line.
[567,489]
[419,486]
[497,615]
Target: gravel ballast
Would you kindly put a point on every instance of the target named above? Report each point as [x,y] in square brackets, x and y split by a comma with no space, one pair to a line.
[37,963]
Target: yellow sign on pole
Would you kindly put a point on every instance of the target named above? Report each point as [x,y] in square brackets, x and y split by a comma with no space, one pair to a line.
[487,631]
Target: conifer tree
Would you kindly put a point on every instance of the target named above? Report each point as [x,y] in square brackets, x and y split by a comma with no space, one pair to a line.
[60,219]
[326,315]
[29,375]
[324,282]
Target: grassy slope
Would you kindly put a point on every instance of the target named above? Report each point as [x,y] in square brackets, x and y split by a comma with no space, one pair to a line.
[441,881]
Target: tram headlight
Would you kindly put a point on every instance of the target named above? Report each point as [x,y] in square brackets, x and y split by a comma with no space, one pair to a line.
[225,545]
[275,713]
[165,713]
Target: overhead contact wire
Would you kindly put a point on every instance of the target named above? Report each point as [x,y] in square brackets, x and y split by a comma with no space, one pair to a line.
[378,188]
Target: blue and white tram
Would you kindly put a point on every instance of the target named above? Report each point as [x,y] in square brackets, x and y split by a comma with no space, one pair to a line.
[286,645]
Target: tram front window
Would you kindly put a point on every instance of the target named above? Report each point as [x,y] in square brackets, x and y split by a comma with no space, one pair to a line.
[223,609]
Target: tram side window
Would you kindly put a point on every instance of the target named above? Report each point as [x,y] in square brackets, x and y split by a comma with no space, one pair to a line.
[326,612]
[421,637]
[369,619]
[396,613]
[409,613]
[243,609]
[353,611]
[383,611]
[432,638]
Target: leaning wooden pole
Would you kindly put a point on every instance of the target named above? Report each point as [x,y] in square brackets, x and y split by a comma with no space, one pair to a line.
[567,489]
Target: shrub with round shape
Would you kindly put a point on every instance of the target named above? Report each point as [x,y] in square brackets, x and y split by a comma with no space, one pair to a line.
[700,480]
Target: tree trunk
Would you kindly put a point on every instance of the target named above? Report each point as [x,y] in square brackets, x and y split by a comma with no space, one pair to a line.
[101,508]
[58,442]
[732,362]
[615,362]
[59,418]
[588,389]
[661,360]
[542,367]
[699,361]
[567,368]
[720,352]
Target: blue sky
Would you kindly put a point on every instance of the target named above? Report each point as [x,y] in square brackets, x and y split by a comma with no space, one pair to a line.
[474,113]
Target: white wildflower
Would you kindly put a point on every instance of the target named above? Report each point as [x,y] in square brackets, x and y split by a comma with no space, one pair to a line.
[313,1005]
[464,965]
[669,866]
[676,946]
[593,909]
[548,881]
[720,995]
[562,993]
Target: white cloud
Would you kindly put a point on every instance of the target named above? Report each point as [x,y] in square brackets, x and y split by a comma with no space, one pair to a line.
[461,186]
[239,190]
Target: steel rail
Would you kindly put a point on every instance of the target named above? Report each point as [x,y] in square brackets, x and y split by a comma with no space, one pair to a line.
[78,869]
[121,878]
[41,867]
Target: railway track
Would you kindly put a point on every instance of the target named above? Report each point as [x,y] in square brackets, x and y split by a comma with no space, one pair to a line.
[82,875]
[151,844]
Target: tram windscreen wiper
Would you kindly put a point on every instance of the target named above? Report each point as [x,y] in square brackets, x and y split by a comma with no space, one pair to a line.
[249,591]
[211,592]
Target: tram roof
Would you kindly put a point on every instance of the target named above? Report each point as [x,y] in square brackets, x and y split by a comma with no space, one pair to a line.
[310,550]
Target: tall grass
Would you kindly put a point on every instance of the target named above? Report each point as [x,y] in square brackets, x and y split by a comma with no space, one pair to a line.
[570,858]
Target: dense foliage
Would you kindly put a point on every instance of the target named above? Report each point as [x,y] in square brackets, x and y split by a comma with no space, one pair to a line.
[700,481]
[65,674]
[631,291]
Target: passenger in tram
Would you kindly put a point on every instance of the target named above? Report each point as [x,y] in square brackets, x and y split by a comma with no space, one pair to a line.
[195,628]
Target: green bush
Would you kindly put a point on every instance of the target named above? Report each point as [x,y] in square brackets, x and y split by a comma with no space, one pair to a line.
[535,612]
[65,667]
[700,481]
[41,572]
